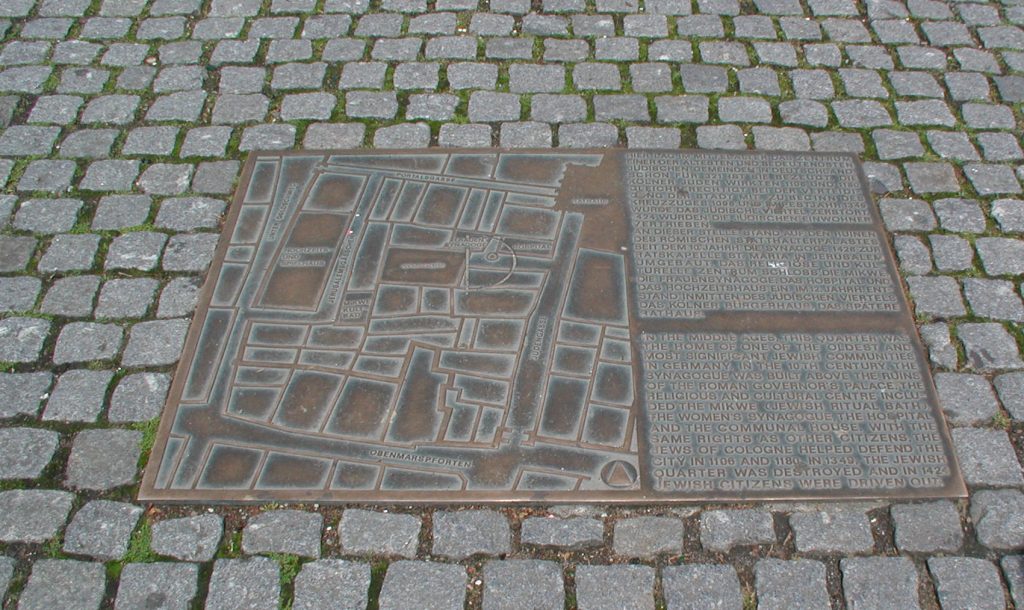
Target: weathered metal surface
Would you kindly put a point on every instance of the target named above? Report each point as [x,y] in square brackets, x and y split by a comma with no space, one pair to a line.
[607,325]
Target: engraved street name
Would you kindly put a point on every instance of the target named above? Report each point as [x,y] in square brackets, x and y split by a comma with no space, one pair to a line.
[613,326]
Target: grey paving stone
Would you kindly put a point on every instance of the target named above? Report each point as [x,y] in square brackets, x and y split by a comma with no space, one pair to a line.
[101,529]
[990,179]
[744,110]
[110,175]
[405,135]
[451,47]
[670,50]
[138,397]
[28,140]
[234,109]
[913,255]
[1010,387]
[333,135]
[126,298]
[75,252]
[932,177]
[720,136]
[780,138]
[432,106]
[364,532]
[308,106]
[596,77]
[1000,147]
[617,49]
[422,584]
[927,528]
[907,215]
[860,113]
[572,533]
[989,347]
[15,252]
[47,215]
[951,252]
[291,532]
[366,104]
[466,75]
[64,584]
[936,296]
[299,76]
[21,339]
[987,458]
[24,79]
[616,586]
[647,537]
[967,86]
[139,250]
[1001,256]
[464,135]
[33,515]
[216,177]
[652,137]
[190,252]
[103,459]
[681,108]
[151,141]
[139,78]
[721,530]
[244,584]
[18,293]
[528,78]
[188,538]
[556,50]
[700,586]
[167,585]
[6,573]
[1013,569]
[267,137]
[651,77]
[87,341]
[165,178]
[952,145]
[965,582]
[879,582]
[703,79]
[189,213]
[966,399]
[331,583]
[461,534]
[1009,213]
[834,530]
[892,144]
[994,299]
[155,343]
[71,297]
[396,49]
[960,215]
[523,583]
[585,135]
[998,516]
[625,107]
[25,452]
[111,109]
[798,584]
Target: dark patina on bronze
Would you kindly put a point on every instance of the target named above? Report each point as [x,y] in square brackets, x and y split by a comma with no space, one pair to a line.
[557,326]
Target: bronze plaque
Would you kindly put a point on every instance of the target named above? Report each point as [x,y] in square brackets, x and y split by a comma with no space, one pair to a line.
[599,325]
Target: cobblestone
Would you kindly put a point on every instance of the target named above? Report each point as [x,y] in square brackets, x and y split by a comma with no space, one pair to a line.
[791,585]
[64,584]
[832,531]
[188,538]
[172,585]
[33,515]
[422,584]
[573,533]
[101,529]
[721,530]
[987,458]
[462,534]
[879,582]
[290,532]
[927,528]
[616,586]
[103,459]
[244,584]
[998,517]
[25,452]
[701,586]
[363,531]
[647,537]
[523,583]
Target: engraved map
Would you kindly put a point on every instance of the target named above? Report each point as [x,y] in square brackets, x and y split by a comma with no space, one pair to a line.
[538,325]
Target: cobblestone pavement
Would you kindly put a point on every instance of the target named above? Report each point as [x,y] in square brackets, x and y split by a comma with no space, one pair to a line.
[124,124]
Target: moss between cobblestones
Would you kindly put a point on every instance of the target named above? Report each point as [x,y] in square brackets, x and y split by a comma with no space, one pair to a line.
[377,571]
